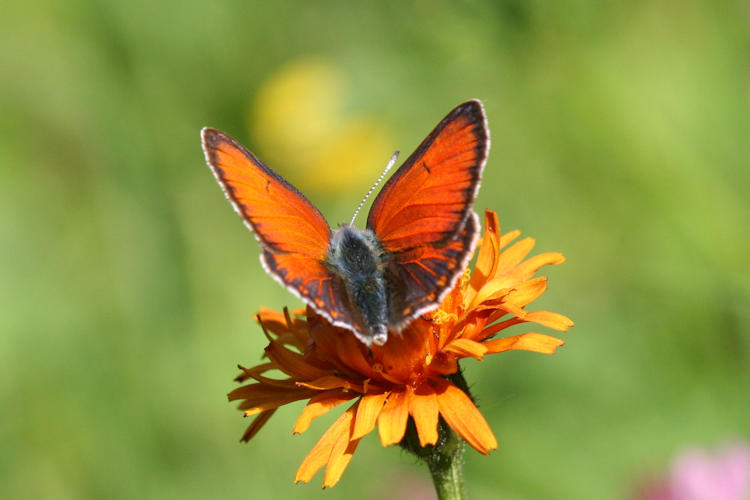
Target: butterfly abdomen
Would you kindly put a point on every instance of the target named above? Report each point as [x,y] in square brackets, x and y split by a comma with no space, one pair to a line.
[356,257]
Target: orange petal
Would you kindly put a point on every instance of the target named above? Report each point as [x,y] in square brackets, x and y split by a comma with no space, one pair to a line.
[403,353]
[494,328]
[338,346]
[460,413]
[321,452]
[443,363]
[255,374]
[508,237]
[544,318]
[486,263]
[526,269]
[467,348]
[393,418]
[258,422]
[272,320]
[527,291]
[367,414]
[550,320]
[514,254]
[350,351]
[332,382]
[513,309]
[341,455]
[300,311]
[525,342]
[494,289]
[292,363]
[320,404]
[423,407]
[260,397]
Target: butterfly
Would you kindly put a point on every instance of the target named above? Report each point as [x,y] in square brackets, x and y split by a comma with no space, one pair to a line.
[420,235]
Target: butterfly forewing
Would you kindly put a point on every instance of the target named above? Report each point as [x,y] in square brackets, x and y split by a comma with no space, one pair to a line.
[281,217]
[428,199]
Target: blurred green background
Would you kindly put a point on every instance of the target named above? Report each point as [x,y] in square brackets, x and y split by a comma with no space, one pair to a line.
[620,137]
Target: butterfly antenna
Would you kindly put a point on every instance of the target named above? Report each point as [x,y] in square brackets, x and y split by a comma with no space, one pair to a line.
[380,179]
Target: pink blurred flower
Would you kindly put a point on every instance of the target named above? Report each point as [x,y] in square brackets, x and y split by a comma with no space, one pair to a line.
[700,475]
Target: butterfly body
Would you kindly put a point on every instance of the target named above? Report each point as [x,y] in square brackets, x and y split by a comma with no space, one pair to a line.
[359,262]
[420,234]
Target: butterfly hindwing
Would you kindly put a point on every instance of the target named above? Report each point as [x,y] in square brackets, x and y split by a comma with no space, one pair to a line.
[314,283]
[420,277]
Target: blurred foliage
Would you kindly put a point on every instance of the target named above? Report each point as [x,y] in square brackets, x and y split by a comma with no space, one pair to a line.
[620,137]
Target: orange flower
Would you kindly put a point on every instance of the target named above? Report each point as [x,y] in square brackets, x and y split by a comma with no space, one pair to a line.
[406,377]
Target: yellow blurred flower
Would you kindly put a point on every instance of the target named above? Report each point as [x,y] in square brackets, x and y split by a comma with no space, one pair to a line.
[299,121]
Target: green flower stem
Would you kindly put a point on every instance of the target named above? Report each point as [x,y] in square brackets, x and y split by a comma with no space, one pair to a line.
[448,471]
[446,458]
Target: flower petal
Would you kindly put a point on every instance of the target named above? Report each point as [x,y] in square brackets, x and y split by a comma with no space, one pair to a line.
[463,416]
[494,289]
[320,405]
[513,309]
[526,269]
[544,318]
[341,455]
[260,397]
[292,363]
[496,327]
[321,452]
[287,330]
[255,374]
[332,382]
[509,290]
[550,320]
[272,320]
[508,237]
[467,348]
[443,364]
[367,414]
[484,269]
[527,291]
[423,407]
[258,422]
[403,353]
[393,418]
[536,342]
[514,254]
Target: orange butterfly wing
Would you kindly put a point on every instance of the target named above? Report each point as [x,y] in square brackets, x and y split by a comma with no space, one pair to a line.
[280,216]
[293,233]
[429,197]
[423,215]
